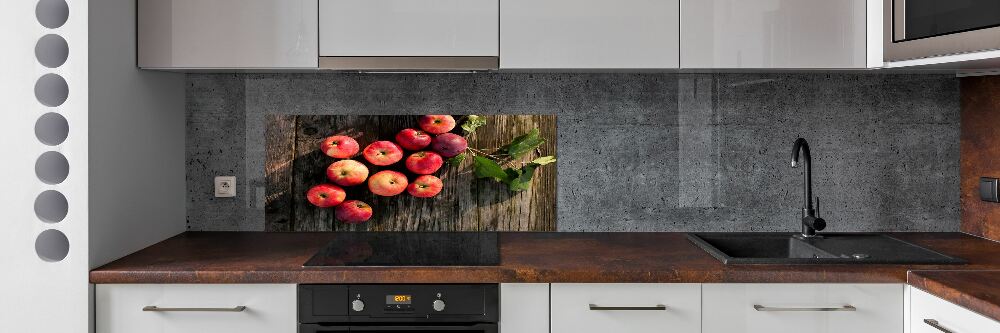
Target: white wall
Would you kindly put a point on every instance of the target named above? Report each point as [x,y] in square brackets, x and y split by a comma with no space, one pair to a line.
[137,186]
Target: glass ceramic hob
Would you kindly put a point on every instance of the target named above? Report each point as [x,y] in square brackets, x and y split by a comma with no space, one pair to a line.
[409,249]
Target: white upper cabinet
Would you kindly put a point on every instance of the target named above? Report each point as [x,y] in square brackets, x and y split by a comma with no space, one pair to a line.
[589,34]
[779,34]
[227,34]
[409,28]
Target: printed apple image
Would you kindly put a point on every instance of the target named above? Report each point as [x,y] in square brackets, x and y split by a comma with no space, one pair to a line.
[449,144]
[436,123]
[383,153]
[353,211]
[326,195]
[387,183]
[347,172]
[411,139]
[340,146]
[425,186]
[424,162]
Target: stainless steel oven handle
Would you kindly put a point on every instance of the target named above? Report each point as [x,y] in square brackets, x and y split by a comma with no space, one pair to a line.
[935,324]
[759,307]
[154,308]
[595,307]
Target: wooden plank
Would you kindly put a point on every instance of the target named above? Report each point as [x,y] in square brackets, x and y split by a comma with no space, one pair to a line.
[465,203]
[280,142]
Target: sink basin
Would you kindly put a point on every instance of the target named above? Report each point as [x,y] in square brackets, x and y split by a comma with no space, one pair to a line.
[837,248]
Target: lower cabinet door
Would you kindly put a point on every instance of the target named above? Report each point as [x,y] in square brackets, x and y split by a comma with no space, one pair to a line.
[930,314]
[803,308]
[189,308]
[632,308]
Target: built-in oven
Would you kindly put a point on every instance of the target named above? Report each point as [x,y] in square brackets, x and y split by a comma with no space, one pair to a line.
[916,29]
[384,308]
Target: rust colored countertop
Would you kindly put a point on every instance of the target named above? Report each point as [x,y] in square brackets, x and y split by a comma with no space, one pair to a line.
[258,257]
[978,291]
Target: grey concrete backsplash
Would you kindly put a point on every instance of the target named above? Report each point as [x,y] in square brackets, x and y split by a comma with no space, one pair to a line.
[637,152]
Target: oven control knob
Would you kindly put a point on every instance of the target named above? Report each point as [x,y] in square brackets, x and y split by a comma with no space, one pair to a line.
[438,305]
[358,305]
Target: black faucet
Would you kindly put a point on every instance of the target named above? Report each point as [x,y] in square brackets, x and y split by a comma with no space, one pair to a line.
[810,221]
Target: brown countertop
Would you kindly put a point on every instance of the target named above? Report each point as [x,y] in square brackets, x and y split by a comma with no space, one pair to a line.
[257,257]
[978,291]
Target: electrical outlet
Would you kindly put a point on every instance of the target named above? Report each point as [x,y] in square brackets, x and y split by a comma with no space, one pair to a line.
[225,186]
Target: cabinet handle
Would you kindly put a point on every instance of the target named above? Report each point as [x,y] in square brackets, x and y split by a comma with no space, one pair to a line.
[595,307]
[934,323]
[769,308]
[159,309]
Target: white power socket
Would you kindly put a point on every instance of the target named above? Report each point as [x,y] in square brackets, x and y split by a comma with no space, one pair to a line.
[225,186]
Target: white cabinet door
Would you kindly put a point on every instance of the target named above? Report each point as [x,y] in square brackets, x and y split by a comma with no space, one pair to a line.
[773,34]
[584,34]
[927,310]
[270,308]
[524,308]
[627,307]
[227,33]
[425,28]
[802,308]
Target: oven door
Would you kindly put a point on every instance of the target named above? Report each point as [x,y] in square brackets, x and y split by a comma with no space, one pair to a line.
[375,328]
[916,29]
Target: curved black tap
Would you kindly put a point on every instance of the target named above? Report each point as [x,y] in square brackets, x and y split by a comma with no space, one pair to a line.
[810,222]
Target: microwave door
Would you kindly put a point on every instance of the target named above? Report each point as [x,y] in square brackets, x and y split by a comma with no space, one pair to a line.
[917,19]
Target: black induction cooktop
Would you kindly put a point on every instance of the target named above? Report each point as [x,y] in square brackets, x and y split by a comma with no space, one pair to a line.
[409,249]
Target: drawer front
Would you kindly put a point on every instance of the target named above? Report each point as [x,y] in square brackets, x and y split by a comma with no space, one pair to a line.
[947,316]
[803,308]
[633,308]
[269,308]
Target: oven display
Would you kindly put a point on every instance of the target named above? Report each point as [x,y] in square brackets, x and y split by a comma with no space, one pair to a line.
[398,299]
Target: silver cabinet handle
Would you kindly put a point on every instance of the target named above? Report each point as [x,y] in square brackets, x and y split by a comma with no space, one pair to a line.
[769,308]
[159,309]
[934,323]
[595,307]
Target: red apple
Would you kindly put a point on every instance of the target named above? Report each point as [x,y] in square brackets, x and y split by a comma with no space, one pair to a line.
[340,146]
[436,123]
[449,144]
[383,153]
[326,195]
[353,211]
[347,172]
[387,183]
[425,186]
[412,139]
[424,162]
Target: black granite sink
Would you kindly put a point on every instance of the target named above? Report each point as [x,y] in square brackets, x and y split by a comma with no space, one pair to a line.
[832,248]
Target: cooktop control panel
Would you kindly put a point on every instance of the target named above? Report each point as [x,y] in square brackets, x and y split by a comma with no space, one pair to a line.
[431,302]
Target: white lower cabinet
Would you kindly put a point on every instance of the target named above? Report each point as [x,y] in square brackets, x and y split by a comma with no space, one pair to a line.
[803,308]
[524,307]
[628,307]
[187,308]
[930,314]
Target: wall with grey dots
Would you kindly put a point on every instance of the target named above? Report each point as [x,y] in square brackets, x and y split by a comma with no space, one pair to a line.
[637,152]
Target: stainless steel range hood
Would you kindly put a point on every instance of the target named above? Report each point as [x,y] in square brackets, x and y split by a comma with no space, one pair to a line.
[410,64]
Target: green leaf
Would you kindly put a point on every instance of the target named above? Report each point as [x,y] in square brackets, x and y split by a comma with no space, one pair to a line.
[487,168]
[472,122]
[456,160]
[523,180]
[524,144]
[544,160]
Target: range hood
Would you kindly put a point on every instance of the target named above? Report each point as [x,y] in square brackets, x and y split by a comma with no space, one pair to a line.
[409,35]
[410,64]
